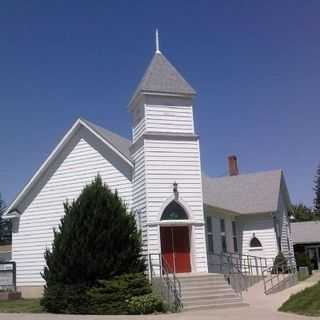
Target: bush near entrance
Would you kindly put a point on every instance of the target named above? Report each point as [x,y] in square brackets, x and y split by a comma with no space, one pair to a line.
[95,264]
[280,264]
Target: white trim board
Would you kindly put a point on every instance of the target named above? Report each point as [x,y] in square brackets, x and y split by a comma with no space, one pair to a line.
[54,154]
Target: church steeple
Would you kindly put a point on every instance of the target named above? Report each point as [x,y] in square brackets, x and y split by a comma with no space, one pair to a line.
[165,151]
[161,77]
[157,42]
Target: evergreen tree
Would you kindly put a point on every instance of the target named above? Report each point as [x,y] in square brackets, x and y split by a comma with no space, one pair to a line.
[300,212]
[316,189]
[96,239]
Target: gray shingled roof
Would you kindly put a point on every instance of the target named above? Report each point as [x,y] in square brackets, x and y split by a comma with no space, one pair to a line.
[161,76]
[244,194]
[305,232]
[120,143]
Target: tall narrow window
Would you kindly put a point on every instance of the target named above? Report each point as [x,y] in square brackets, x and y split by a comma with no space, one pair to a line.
[210,235]
[223,235]
[234,236]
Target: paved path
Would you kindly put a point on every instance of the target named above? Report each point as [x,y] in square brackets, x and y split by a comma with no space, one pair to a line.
[261,308]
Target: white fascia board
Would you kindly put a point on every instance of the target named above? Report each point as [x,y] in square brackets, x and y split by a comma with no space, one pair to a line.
[51,157]
[110,145]
[43,167]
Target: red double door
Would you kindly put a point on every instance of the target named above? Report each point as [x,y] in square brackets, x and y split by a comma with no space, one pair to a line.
[175,248]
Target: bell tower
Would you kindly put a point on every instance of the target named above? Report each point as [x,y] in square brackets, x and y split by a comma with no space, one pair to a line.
[165,150]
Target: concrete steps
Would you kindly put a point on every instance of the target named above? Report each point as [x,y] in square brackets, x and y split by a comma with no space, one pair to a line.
[207,291]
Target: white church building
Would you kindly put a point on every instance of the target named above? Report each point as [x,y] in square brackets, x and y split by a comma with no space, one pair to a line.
[183,214]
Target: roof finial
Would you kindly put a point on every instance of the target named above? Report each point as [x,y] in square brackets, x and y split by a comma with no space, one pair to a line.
[157,42]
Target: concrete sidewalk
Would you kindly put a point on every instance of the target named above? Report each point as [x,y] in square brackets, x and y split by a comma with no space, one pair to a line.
[258,300]
[261,307]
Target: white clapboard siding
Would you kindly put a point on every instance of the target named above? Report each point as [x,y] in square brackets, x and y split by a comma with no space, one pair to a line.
[263,228]
[161,118]
[169,161]
[138,124]
[138,130]
[35,232]
[139,194]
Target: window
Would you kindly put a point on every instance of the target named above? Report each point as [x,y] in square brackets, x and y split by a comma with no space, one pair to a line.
[210,235]
[223,235]
[255,242]
[234,236]
[174,211]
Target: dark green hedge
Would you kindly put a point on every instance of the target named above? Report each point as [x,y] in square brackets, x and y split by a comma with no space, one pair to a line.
[111,296]
[107,297]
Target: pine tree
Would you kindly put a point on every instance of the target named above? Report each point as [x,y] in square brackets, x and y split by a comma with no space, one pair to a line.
[301,212]
[316,189]
[96,239]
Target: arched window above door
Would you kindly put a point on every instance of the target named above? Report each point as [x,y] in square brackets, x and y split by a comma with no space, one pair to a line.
[174,211]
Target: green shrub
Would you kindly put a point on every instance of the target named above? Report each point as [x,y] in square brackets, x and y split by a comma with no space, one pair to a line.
[145,304]
[280,264]
[107,297]
[302,260]
[66,299]
[112,296]
[96,239]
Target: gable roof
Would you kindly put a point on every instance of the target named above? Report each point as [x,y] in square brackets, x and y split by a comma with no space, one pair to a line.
[116,143]
[120,143]
[305,232]
[162,77]
[244,194]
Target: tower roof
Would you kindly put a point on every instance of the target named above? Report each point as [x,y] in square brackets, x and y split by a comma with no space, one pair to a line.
[162,77]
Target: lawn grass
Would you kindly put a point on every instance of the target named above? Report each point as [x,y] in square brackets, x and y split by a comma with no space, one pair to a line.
[306,302]
[21,305]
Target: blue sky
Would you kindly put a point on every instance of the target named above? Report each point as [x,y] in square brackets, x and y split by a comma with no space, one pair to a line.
[254,64]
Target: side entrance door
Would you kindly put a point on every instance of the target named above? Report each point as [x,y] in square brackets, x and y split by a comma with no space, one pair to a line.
[175,248]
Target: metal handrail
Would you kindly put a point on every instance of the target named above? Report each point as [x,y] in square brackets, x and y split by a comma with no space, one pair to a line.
[280,273]
[249,264]
[231,272]
[176,282]
[168,278]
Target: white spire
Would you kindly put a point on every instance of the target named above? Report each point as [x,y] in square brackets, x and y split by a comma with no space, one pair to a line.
[157,42]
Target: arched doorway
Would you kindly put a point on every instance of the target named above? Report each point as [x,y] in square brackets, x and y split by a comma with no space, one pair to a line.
[175,239]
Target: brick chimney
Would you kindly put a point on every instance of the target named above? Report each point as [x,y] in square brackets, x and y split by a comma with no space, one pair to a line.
[233,165]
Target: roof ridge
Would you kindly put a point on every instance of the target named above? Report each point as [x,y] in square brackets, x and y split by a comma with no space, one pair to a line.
[244,174]
[108,130]
[119,142]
